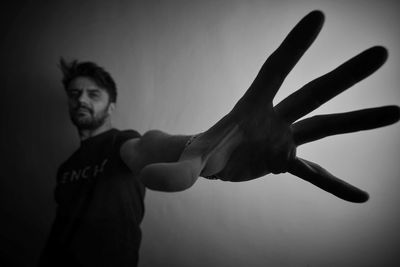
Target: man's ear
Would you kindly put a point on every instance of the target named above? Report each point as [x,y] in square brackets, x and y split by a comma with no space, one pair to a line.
[111,108]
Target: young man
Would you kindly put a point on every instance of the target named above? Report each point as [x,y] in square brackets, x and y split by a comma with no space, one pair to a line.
[101,187]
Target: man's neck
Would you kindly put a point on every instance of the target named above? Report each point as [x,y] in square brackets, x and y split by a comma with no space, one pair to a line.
[85,134]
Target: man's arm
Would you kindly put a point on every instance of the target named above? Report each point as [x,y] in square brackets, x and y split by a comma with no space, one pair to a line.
[256,137]
[173,163]
[156,147]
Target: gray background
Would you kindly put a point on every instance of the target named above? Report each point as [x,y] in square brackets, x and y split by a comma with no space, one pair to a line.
[180,66]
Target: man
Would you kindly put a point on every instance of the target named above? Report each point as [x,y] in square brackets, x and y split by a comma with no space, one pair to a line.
[101,187]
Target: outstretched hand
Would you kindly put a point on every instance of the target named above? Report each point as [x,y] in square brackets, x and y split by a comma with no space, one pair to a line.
[257,138]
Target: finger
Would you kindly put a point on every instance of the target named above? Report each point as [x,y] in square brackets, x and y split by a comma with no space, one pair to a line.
[321,126]
[324,88]
[318,176]
[279,64]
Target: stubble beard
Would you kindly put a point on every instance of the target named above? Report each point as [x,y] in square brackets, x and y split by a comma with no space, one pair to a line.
[88,121]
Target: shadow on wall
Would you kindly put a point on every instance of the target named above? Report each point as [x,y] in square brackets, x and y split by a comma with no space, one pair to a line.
[35,138]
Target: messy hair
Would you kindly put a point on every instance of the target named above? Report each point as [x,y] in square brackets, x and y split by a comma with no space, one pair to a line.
[91,70]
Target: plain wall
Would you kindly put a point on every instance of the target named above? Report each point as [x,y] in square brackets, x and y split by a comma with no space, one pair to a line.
[180,66]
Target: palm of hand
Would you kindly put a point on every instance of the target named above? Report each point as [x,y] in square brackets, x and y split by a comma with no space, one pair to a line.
[266,146]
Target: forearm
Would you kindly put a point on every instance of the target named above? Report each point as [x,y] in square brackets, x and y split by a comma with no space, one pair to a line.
[166,170]
[172,163]
[160,147]
[205,156]
[153,147]
[151,156]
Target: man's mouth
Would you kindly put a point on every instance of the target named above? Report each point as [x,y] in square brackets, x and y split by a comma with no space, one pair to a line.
[82,110]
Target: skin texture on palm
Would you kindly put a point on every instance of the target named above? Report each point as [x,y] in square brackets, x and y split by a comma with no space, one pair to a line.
[257,138]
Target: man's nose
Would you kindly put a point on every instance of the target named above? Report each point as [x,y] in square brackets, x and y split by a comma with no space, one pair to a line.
[83,98]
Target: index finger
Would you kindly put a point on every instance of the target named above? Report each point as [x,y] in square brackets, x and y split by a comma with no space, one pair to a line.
[281,62]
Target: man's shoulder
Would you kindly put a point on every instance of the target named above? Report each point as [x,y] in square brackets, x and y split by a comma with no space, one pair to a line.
[113,139]
[124,135]
[128,133]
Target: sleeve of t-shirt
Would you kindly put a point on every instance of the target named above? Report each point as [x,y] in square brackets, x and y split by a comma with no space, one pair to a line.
[120,139]
[126,135]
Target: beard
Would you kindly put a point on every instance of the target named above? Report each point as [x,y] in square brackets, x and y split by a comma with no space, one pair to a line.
[84,118]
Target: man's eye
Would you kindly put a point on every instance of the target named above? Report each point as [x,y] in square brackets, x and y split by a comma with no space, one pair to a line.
[73,93]
[94,94]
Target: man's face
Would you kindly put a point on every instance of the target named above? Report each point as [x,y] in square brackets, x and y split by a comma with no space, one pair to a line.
[89,104]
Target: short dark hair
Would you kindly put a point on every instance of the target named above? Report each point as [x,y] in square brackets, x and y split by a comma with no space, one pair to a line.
[88,69]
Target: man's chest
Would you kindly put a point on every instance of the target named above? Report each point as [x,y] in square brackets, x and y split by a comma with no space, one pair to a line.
[76,173]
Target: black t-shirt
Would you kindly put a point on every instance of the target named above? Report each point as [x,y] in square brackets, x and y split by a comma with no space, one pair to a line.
[100,206]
